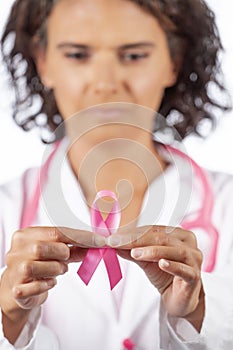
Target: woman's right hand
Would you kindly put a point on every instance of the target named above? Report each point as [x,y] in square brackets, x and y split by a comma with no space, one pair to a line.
[36,257]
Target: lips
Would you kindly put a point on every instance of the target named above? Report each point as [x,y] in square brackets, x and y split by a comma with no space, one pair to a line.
[113,112]
[108,113]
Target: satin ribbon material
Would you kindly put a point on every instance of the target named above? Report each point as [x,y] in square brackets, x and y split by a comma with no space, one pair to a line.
[105,228]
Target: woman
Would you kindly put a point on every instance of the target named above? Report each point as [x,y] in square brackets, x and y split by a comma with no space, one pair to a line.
[139,57]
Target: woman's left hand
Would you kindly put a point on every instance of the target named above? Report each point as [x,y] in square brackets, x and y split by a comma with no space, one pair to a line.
[172,262]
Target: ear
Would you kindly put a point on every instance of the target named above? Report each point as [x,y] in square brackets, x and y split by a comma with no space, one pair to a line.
[40,58]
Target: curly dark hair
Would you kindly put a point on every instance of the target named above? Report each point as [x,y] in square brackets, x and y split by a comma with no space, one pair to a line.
[191,33]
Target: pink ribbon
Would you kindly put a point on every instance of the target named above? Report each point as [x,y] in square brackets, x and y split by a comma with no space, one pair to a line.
[105,228]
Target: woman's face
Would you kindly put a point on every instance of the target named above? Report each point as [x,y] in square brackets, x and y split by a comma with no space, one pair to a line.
[104,51]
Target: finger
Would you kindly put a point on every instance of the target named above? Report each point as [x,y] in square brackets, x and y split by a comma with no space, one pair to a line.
[142,236]
[185,236]
[180,253]
[81,238]
[187,273]
[45,250]
[30,270]
[66,235]
[125,254]
[23,291]
[76,254]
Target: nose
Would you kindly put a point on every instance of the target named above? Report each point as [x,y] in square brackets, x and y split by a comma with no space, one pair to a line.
[105,86]
[106,78]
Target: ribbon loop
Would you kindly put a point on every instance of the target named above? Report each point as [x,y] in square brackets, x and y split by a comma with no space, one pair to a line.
[105,228]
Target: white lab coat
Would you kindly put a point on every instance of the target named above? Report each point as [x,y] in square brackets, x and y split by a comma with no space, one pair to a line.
[76,316]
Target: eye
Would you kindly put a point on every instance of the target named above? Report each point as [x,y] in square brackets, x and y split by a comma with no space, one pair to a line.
[79,55]
[133,56]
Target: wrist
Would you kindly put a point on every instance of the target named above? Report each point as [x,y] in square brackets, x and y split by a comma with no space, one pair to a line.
[197,316]
[13,316]
[14,319]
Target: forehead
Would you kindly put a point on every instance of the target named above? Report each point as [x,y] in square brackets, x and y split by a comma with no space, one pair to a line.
[86,19]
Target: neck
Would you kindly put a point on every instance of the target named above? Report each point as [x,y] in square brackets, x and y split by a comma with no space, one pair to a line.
[125,167]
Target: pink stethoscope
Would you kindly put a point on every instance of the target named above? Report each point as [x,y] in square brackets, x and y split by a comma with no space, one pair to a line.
[202,220]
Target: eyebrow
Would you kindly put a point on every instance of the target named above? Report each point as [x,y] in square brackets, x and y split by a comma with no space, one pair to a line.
[122,47]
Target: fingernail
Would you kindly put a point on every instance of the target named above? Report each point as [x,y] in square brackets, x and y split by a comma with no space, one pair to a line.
[99,241]
[64,269]
[137,253]
[164,263]
[51,283]
[113,241]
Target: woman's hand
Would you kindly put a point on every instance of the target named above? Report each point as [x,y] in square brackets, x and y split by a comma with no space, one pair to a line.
[172,262]
[36,257]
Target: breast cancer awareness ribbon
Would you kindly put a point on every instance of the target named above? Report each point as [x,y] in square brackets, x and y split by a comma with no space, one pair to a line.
[105,228]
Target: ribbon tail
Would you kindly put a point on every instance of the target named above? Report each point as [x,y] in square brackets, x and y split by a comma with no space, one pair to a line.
[112,266]
[90,264]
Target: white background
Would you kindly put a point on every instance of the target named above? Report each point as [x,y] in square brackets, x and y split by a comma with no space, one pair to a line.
[19,150]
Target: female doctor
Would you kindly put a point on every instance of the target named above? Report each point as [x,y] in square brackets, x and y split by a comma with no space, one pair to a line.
[173,247]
